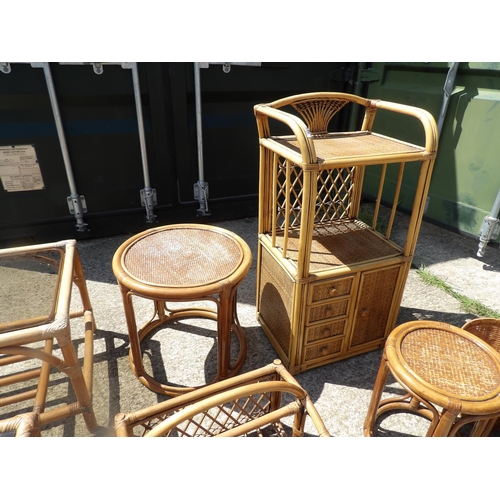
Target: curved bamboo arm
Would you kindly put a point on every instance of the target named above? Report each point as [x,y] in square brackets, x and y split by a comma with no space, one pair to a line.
[220,399]
[427,120]
[297,126]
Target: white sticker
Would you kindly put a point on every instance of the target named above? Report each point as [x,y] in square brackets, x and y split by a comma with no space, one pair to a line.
[19,169]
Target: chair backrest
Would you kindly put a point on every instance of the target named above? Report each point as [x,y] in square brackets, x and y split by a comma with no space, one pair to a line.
[487,329]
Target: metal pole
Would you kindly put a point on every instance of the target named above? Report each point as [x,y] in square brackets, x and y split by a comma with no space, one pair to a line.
[201,187]
[490,229]
[448,88]
[148,195]
[76,202]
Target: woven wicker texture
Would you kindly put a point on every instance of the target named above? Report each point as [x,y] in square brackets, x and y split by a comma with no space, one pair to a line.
[183,257]
[346,145]
[276,302]
[487,329]
[340,243]
[256,403]
[451,363]
[317,113]
[374,305]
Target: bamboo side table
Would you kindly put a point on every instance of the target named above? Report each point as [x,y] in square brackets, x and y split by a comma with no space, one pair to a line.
[36,283]
[183,263]
[452,378]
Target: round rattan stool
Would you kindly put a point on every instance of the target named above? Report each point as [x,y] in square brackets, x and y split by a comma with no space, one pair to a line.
[183,263]
[451,378]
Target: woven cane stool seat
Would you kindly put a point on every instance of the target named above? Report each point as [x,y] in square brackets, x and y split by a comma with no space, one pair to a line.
[183,263]
[451,377]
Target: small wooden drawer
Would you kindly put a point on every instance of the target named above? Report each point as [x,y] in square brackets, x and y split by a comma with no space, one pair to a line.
[325,331]
[326,311]
[327,290]
[323,349]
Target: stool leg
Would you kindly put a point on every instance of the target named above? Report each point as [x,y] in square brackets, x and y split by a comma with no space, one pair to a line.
[224,320]
[447,420]
[378,388]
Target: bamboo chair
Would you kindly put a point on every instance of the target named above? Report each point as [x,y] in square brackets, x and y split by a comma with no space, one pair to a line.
[250,404]
[31,347]
[487,329]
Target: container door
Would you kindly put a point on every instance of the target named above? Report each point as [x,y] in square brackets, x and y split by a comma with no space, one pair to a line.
[466,176]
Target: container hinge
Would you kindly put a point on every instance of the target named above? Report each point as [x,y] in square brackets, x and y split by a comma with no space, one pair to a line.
[367,75]
[77,207]
[5,67]
[148,200]
[201,194]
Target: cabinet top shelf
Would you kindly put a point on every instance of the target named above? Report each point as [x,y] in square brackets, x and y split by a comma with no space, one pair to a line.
[348,148]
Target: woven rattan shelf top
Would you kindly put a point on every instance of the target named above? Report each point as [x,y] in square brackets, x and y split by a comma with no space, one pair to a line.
[341,243]
[355,145]
[446,362]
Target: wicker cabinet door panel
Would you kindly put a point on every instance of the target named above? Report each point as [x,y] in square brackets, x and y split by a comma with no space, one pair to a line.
[374,305]
[328,290]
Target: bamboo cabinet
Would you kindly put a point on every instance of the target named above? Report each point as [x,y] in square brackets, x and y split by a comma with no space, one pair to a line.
[329,278]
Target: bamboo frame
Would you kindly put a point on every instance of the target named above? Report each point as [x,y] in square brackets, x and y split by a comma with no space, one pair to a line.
[331,167]
[18,340]
[247,404]
[220,288]
[457,385]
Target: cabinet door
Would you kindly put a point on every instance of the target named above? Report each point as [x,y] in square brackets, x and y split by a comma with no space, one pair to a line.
[375,299]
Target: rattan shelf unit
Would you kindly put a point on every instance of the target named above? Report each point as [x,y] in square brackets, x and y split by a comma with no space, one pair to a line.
[329,280]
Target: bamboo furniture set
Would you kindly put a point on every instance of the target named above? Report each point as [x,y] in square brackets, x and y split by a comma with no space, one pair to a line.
[329,284]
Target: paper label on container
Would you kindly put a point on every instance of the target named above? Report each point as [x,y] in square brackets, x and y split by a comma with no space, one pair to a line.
[19,169]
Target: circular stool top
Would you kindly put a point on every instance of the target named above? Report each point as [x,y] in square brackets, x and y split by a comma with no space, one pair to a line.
[182,256]
[443,363]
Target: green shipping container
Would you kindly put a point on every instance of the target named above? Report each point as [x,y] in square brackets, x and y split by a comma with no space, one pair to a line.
[466,176]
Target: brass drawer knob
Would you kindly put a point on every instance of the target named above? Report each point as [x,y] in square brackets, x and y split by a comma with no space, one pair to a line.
[324,350]
[326,332]
[332,291]
[364,313]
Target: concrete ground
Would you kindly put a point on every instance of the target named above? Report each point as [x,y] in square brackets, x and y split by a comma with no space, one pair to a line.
[341,391]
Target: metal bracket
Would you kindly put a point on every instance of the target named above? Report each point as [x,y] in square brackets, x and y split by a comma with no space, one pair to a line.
[5,67]
[201,194]
[148,200]
[226,66]
[367,75]
[77,207]
[490,230]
